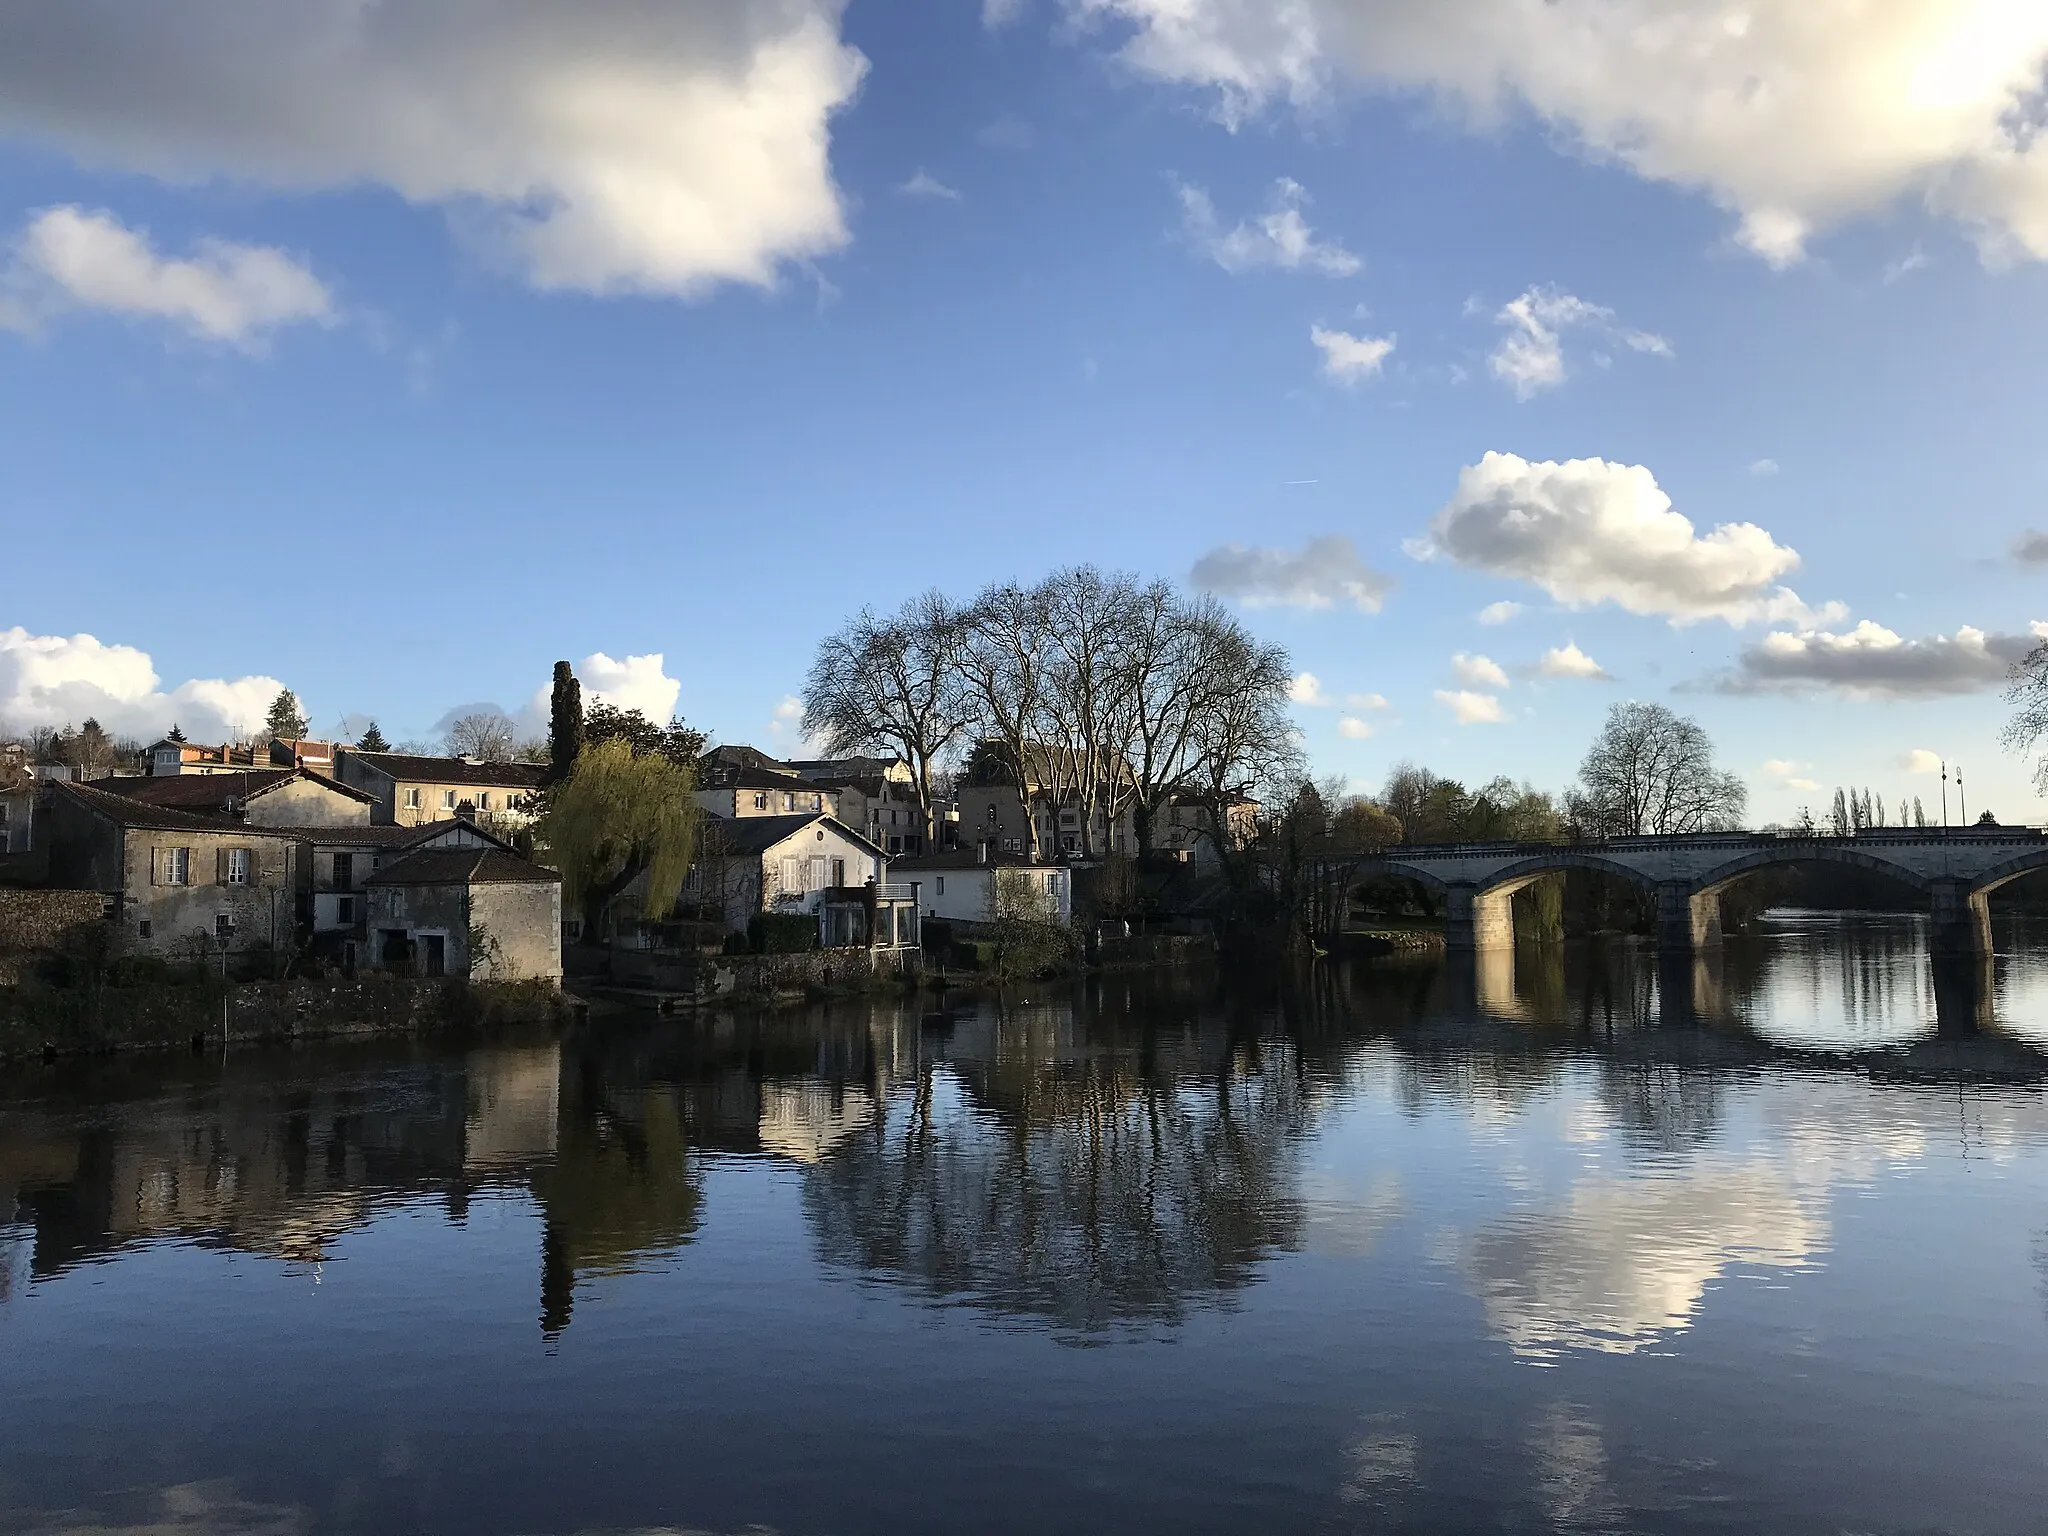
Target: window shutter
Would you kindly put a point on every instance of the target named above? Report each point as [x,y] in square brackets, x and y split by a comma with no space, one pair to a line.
[156,866]
[220,866]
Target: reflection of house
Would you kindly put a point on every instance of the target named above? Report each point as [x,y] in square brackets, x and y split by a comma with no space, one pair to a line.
[968,885]
[178,881]
[480,912]
[411,791]
[760,864]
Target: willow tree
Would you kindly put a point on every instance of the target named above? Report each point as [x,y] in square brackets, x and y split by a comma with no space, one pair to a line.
[616,818]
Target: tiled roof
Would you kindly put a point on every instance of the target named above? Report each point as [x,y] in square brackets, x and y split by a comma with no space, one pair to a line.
[358,836]
[209,793]
[406,767]
[757,834]
[463,866]
[961,858]
[761,778]
[125,812]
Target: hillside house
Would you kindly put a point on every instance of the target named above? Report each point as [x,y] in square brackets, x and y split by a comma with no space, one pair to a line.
[412,791]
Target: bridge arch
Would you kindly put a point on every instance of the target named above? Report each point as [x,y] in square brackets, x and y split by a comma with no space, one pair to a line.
[2030,863]
[1792,854]
[1563,858]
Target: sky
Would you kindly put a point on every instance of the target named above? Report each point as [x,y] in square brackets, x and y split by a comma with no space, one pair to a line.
[1502,360]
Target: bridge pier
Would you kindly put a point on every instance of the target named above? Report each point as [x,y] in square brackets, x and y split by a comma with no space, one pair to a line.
[1479,920]
[1686,919]
[1961,925]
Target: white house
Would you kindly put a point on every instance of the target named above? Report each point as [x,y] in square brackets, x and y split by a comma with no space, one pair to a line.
[961,885]
[756,864]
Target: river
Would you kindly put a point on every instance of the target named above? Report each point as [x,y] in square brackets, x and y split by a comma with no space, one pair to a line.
[1569,1241]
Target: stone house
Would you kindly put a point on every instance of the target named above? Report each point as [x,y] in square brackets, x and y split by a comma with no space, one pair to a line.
[741,791]
[268,797]
[961,885]
[184,886]
[411,791]
[478,912]
[757,864]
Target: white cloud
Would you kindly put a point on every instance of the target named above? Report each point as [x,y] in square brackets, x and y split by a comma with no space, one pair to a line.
[71,258]
[1347,358]
[1871,661]
[1307,689]
[57,680]
[1351,728]
[631,682]
[1590,532]
[1569,661]
[1279,238]
[1499,613]
[1763,469]
[659,146]
[1790,775]
[1471,708]
[996,14]
[1795,116]
[786,730]
[1478,671]
[1530,357]
[1922,761]
[924,184]
[1324,573]
[1366,701]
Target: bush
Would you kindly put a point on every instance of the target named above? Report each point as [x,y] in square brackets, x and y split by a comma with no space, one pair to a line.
[782,933]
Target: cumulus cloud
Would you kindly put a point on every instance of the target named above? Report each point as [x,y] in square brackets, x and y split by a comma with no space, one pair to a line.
[924,184]
[1478,671]
[1590,532]
[71,258]
[1471,708]
[1793,116]
[630,682]
[1922,761]
[1324,573]
[1279,239]
[1366,701]
[1569,661]
[1499,613]
[1871,661]
[58,680]
[658,146]
[1351,728]
[2031,548]
[1347,359]
[1307,689]
[1789,775]
[1530,357]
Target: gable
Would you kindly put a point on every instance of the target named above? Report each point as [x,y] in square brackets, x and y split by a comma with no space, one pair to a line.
[303,801]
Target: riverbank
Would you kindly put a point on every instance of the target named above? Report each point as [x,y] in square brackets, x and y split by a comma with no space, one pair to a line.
[40,1021]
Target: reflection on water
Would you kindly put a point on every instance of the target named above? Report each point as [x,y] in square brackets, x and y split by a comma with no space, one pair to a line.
[1559,1240]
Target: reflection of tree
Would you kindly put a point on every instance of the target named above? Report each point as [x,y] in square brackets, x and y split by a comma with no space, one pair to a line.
[620,1190]
[1093,1191]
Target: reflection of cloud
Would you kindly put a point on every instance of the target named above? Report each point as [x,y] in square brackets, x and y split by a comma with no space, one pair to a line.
[1625,1262]
[1379,1463]
[190,1509]
[1571,1462]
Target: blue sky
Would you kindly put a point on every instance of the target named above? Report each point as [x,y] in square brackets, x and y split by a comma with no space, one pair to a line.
[396,356]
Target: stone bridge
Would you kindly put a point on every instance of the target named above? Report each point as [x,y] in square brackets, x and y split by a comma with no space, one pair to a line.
[1954,870]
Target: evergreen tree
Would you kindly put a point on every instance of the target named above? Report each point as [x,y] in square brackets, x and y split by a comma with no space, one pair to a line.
[372,740]
[565,723]
[174,734]
[286,721]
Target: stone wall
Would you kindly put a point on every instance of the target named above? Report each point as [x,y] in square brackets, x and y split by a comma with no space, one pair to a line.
[36,922]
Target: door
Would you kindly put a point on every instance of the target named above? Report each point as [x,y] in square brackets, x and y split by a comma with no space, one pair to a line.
[434,950]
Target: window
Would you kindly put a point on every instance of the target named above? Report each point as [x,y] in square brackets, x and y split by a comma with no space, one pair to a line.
[789,802]
[483,800]
[174,866]
[3,813]
[344,871]
[223,925]
[942,885]
[447,799]
[345,910]
[817,802]
[839,872]
[412,799]
[760,802]
[142,929]
[238,866]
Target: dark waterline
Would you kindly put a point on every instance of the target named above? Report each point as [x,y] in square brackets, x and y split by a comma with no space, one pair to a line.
[1565,1241]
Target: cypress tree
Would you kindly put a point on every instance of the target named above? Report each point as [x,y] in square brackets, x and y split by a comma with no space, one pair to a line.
[565,723]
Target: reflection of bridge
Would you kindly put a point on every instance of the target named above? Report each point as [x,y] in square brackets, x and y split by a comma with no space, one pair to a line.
[1954,871]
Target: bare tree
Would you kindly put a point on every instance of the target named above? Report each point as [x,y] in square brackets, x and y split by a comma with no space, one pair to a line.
[893,684]
[1651,771]
[1004,641]
[2026,690]
[486,736]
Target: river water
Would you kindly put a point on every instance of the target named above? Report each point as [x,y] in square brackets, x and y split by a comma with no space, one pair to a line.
[1568,1242]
